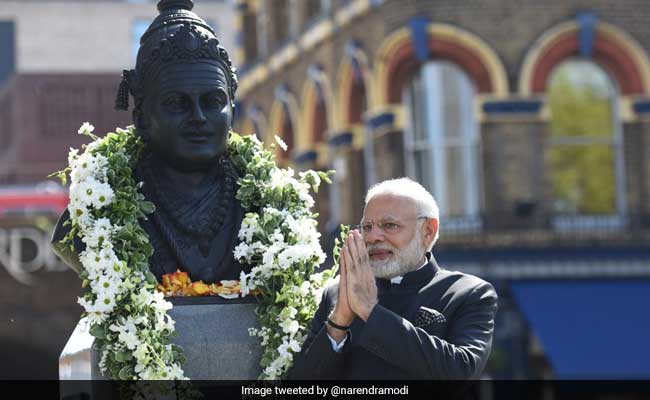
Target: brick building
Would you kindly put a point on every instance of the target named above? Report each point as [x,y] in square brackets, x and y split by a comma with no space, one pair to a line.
[60,65]
[528,121]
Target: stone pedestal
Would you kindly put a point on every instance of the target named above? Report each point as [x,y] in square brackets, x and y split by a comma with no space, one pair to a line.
[212,331]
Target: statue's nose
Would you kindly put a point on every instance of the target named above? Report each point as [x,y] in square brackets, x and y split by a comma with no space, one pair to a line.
[198,116]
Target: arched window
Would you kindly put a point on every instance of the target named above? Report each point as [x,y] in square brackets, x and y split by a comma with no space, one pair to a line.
[312,9]
[280,22]
[319,126]
[441,142]
[258,122]
[585,141]
[358,98]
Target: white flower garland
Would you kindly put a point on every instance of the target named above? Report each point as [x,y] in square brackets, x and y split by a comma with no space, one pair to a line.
[128,316]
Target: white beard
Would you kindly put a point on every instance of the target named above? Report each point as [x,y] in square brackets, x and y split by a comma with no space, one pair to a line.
[401,261]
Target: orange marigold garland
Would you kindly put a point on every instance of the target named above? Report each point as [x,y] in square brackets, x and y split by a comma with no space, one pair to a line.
[179,284]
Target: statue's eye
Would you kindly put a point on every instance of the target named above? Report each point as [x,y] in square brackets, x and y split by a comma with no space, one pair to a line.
[216,99]
[176,103]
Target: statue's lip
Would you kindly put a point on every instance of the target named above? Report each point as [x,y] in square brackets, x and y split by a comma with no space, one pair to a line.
[197,136]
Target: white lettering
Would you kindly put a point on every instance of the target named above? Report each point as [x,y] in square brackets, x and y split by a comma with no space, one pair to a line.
[15,244]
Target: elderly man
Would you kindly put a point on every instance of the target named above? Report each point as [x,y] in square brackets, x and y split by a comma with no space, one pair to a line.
[394,314]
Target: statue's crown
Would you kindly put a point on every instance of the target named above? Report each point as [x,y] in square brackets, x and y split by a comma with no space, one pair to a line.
[176,35]
[188,43]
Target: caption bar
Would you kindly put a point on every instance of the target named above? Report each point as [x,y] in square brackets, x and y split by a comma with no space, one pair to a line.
[323,391]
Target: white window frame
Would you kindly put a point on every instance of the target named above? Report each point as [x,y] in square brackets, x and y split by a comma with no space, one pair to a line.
[618,221]
[436,144]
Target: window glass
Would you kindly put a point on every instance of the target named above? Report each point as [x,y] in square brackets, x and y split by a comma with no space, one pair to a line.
[582,151]
[442,137]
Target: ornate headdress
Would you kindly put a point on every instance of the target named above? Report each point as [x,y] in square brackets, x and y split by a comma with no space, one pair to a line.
[177,35]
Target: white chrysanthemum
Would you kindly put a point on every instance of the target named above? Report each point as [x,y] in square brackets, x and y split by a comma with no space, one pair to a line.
[130,339]
[274,212]
[317,278]
[241,251]
[273,370]
[99,234]
[86,129]
[281,143]
[281,178]
[92,192]
[277,237]
[92,263]
[83,302]
[164,322]
[290,326]
[257,248]
[108,256]
[102,195]
[96,317]
[105,303]
[149,374]
[320,254]
[310,176]
[85,166]
[141,354]
[106,284]
[296,254]
[249,227]
[79,213]
[305,289]
[141,298]
[287,257]
[73,155]
[81,192]
[104,225]
[176,372]
[288,312]
[160,303]
[283,349]
[303,229]
[93,146]
[117,269]
[244,286]
[268,258]
[306,198]
[294,346]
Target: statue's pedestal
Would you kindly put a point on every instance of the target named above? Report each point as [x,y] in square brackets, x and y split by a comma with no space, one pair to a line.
[212,331]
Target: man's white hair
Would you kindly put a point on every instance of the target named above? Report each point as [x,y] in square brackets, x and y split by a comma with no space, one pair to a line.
[406,187]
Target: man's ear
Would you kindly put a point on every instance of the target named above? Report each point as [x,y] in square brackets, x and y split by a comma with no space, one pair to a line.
[430,227]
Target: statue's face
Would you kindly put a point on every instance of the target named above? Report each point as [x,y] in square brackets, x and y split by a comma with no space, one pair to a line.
[187,114]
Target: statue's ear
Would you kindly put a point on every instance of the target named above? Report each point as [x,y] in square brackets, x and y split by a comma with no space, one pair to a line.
[141,121]
[139,118]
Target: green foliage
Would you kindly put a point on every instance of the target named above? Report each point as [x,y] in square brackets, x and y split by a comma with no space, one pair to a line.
[285,290]
[268,192]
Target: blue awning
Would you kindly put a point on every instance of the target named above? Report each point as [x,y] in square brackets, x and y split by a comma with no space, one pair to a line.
[590,329]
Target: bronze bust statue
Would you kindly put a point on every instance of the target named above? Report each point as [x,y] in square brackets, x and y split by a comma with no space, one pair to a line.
[183,87]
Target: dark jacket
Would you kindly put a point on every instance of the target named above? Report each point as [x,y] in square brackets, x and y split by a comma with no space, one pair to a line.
[435,324]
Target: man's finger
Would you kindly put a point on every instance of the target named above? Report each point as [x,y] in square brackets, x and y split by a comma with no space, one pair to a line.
[361,248]
[349,263]
[354,250]
[343,273]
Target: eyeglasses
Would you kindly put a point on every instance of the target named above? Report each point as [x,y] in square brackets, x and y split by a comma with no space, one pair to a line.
[388,226]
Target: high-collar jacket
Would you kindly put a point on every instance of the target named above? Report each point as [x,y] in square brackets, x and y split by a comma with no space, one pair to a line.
[453,342]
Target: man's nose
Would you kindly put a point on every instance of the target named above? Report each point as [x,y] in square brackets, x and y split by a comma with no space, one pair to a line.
[374,235]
